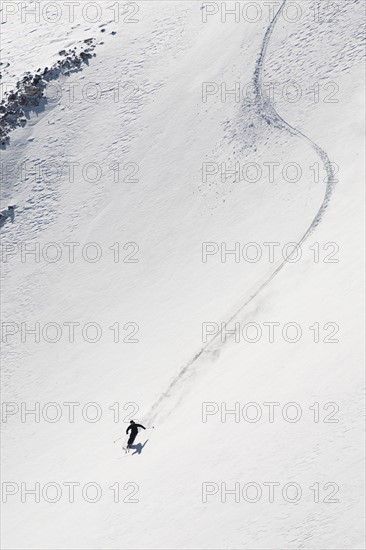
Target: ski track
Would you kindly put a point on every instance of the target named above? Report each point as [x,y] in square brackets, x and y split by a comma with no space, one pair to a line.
[267,111]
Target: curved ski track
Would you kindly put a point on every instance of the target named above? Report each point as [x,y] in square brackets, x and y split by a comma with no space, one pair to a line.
[266,110]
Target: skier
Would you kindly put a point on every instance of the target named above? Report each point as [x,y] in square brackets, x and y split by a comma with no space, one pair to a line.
[134,431]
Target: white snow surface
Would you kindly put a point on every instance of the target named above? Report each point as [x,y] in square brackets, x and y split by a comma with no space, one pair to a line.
[161,124]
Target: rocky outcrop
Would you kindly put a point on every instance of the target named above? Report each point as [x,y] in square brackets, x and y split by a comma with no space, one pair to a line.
[29,94]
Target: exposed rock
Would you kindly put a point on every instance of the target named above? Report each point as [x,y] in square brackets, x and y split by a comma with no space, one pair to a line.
[29,92]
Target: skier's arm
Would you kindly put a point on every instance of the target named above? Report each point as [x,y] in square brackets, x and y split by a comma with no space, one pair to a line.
[141,426]
[128,429]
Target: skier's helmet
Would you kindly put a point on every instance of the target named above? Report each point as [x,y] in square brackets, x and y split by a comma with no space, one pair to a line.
[132,421]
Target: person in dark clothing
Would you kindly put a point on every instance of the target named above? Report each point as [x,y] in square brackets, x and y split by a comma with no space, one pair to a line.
[134,431]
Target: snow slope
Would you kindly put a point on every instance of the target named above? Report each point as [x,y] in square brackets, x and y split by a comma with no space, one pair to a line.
[161,133]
